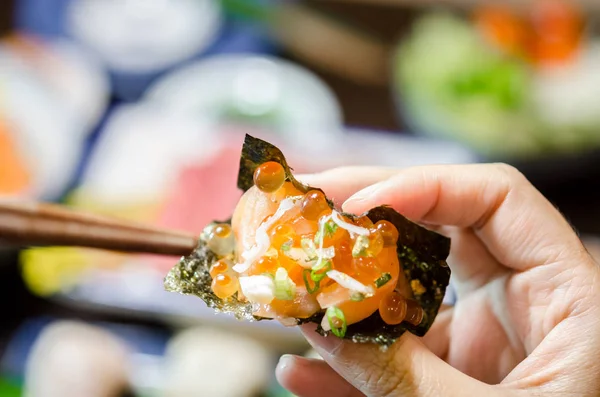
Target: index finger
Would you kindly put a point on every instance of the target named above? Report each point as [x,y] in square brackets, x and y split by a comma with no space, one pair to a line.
[341,183]
[512,218]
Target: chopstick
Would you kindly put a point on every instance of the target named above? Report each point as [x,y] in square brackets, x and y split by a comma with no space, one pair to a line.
[42,224]
[523,4]
[332,45]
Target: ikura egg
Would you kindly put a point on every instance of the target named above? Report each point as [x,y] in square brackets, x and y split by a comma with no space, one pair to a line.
[269,177]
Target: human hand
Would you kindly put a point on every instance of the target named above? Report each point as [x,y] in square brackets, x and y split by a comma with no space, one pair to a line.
[526,320]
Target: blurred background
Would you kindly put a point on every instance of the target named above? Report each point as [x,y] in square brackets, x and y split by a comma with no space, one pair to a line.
[137,109]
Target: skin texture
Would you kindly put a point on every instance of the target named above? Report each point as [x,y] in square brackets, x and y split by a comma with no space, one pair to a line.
[526,322]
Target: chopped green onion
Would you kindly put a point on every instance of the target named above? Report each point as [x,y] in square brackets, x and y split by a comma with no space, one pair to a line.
[285,247]
[317,276]
[335,316]
[324,263]
[305,275]
[285,289]
[383,280]
[360,246]
[317,237]
[357,297]
[330,228]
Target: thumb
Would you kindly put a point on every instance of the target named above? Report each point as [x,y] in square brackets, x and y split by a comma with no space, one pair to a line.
[407,368]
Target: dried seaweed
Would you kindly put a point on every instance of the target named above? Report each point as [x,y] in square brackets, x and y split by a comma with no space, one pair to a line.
[422,254]
[190,276]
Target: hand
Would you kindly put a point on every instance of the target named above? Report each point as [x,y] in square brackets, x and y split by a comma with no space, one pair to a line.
[526,320]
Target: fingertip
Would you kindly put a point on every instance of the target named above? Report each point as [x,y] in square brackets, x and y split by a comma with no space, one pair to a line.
[308,377]
[290,374]
[363,200]
[285,368]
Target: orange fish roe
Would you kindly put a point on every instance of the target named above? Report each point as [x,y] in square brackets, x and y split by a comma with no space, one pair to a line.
[388,232]
[224,285]
[222,231]
[269,177]
[314,205]
[394,309]
[221,266]
[283,236]
[300,257]
[265,264]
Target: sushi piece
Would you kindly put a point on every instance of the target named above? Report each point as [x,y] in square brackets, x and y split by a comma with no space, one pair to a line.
[288,254]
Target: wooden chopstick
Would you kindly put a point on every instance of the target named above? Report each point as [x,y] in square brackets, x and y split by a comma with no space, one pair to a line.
[591,5]
[332,45]
[35,224]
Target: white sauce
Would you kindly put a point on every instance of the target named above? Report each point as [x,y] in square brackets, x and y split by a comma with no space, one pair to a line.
[361,231]
[350,283]
[262,240]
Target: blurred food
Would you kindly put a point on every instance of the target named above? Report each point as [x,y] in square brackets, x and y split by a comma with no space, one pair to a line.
[72,359]
[253,91]
[14,174]
[139,35]
[508,84]
[557,31]
[550,33]
[137,40]
[52,96]
[52,269]
[210,362]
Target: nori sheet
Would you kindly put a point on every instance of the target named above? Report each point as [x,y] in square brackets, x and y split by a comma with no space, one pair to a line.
[422,254]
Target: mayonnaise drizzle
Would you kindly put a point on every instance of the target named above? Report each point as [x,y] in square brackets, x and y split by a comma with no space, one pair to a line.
[320,251]
[262,240]
[350,283]
[361,231]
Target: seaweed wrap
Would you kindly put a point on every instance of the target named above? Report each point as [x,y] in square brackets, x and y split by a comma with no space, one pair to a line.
[289,254]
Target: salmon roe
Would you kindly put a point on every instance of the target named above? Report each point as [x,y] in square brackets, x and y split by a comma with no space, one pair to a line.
[414,313]
[388,232]
[222,230]
[366,268]
[314,204]
[224,286]
[364,221]
[376,243]
[282,235]
[221,266]
[266,264]
[269,177]
[394,309]
[221,239]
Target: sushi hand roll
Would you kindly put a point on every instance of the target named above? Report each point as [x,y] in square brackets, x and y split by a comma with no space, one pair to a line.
[288,254]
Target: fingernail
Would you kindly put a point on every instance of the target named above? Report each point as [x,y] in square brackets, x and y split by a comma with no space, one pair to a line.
[366,193]
[358,198]
[285,362]
[330,344]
